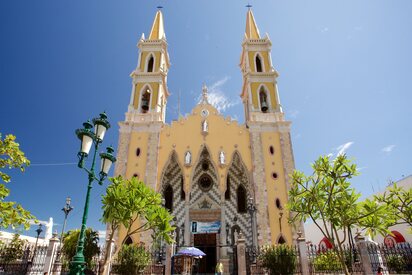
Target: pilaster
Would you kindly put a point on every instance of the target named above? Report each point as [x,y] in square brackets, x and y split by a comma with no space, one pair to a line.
[259,188]
[122,149]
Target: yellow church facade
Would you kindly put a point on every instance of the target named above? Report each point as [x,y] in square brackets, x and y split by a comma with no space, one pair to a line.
[217,177]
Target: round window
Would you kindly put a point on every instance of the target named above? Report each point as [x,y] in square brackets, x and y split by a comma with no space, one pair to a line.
[274,175]
[205,182]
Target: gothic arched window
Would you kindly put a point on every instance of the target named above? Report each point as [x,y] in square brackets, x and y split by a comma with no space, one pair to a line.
[281,240]
[258,64]
[227,193]
[263,99]
[150,64]
[182,189]
[145,101]
[128,241]
[241,199]
[168,195]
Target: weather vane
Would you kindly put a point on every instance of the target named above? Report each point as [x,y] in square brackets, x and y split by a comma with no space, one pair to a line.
[248,5]
[159,7]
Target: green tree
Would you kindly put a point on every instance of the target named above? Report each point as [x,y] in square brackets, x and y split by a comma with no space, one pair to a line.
[13,251]
[399,202]
[11,213]
[327,198]
[91,247]
[132,260]
[129,201]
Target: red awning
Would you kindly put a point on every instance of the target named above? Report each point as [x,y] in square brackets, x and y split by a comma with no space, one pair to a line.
[396,237]
[325,243]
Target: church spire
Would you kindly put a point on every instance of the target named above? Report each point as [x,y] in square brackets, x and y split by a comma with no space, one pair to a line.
[252,31]
[259,93]
[149,94]
[157,31]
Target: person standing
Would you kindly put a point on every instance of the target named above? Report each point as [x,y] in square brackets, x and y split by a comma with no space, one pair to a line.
[219,268]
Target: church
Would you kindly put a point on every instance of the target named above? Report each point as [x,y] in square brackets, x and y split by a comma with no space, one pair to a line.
[217,177]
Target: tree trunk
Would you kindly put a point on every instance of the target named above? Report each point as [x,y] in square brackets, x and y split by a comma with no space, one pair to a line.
[341,256]
[105,270]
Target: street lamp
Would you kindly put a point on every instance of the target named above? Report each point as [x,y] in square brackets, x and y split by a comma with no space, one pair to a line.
[252,211]
[66,209]
[88,137]
[38,231]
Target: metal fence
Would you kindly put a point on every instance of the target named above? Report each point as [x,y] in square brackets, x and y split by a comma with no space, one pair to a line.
[61,264]
[326,261]
[152,269]
[397,258]
[22,258]
[280,257]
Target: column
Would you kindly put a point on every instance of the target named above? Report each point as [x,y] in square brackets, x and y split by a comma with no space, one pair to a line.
[303,254]
[241,255]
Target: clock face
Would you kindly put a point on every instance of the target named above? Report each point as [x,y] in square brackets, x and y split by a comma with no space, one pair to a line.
[204,113]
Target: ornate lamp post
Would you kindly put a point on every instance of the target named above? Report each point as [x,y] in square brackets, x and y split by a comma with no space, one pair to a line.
[38,231]
[252,211]
[66,209]
[87,139]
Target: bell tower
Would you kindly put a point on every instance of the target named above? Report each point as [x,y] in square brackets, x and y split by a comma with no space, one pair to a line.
[149,91]
[259,90]
[270,142]
[139,133]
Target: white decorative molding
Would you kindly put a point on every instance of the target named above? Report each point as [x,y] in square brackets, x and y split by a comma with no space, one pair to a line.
[281,127]
[136,117]
[257,44]
[258,116]
[139,77]
[152,45]
[262,77]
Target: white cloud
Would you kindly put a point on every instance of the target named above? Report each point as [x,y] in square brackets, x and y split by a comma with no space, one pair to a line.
[217,98]
[294,113]
[324,29]
[343,148]
[388,149]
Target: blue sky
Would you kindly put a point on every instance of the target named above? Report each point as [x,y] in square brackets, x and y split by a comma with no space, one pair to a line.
[345,71]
